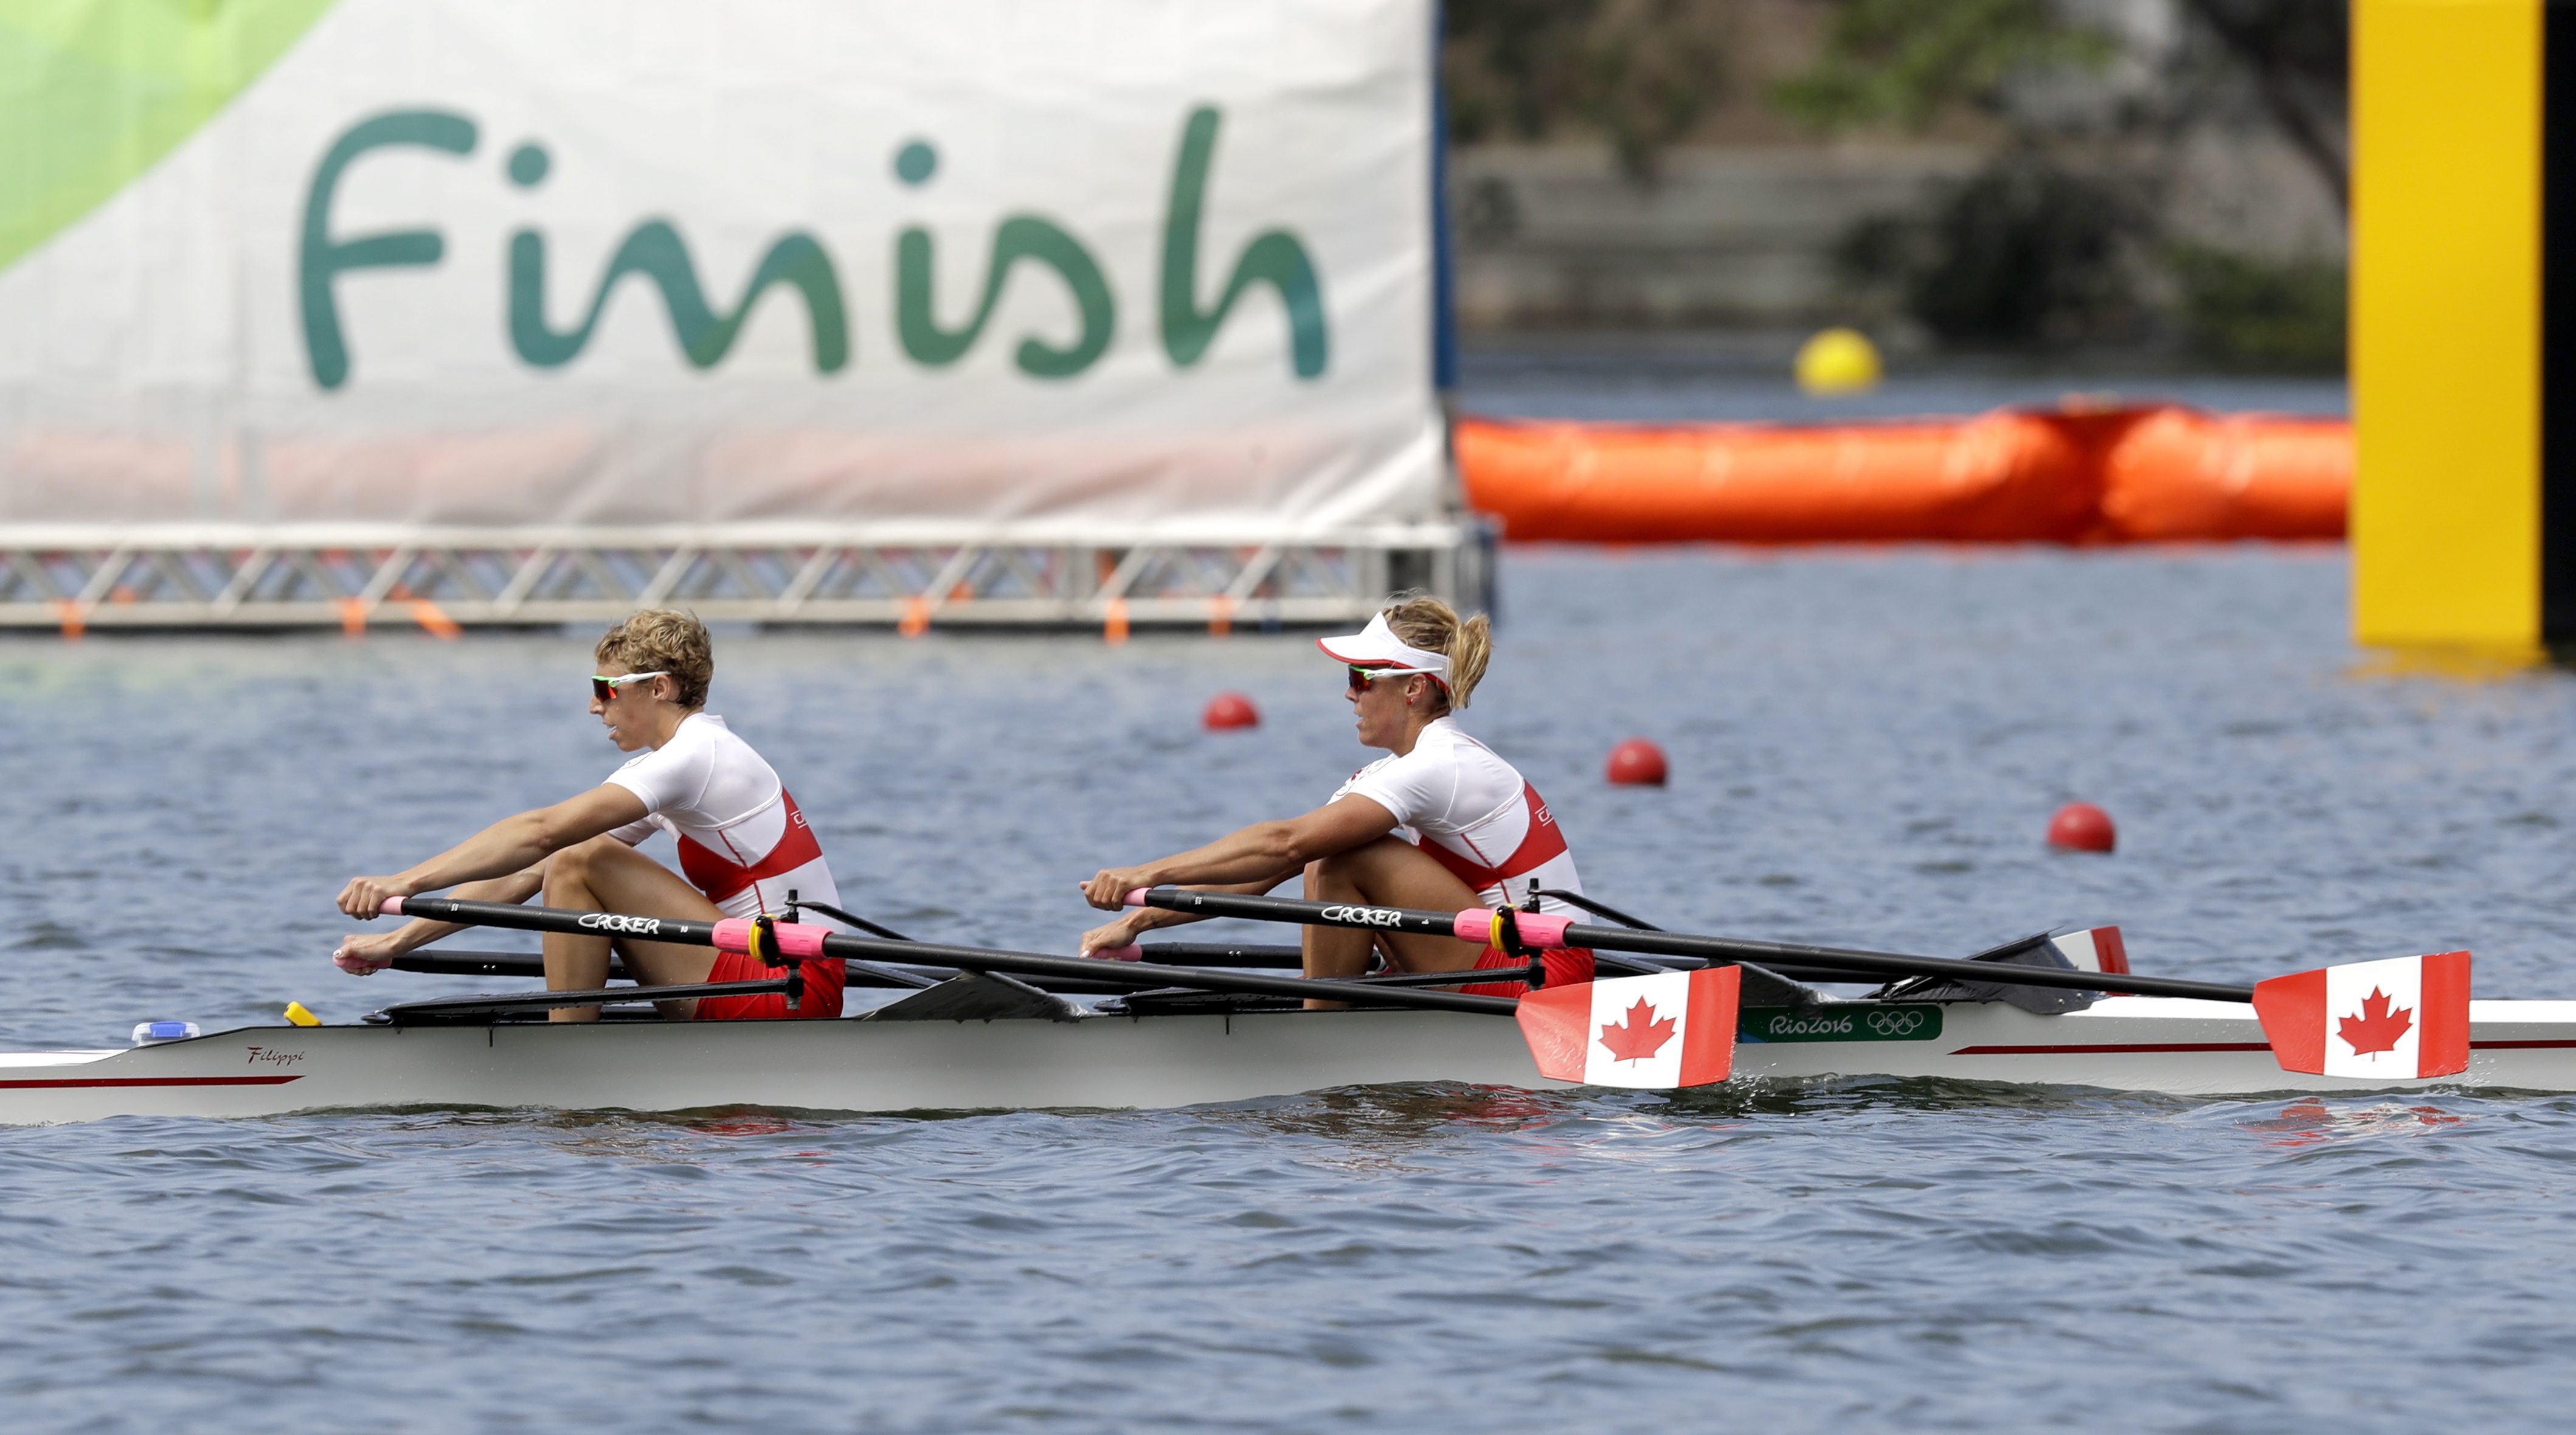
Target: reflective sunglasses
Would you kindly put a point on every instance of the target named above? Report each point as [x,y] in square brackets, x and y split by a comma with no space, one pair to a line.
[1362,677]
[606,688]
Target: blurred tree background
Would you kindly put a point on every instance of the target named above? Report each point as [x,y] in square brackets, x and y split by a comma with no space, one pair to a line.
[1979,174]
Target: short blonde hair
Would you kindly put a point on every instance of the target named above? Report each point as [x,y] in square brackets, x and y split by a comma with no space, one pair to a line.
[1425,622]
[663,640]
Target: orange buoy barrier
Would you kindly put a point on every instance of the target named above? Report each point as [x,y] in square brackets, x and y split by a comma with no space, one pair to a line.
[2066,476]
[2000,477]
[2178,474]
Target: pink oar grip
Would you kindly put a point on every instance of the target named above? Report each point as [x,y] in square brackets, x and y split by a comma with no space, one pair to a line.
[800,940]
[1544,931]
[1128,953]
[392,907]
[1137,897]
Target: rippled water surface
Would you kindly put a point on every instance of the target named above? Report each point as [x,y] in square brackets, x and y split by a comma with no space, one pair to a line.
[1866,749]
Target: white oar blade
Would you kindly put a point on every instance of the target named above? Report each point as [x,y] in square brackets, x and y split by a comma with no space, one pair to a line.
[2094,949]
[2402,1019]
[1654,1033]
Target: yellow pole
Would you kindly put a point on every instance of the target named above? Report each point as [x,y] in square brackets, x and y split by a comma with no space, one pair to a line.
[2446,322]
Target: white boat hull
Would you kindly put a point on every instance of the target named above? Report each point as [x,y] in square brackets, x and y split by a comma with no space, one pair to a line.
[2145,1044]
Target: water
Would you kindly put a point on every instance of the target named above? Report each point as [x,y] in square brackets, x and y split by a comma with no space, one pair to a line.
[1713,379]
[1866,748]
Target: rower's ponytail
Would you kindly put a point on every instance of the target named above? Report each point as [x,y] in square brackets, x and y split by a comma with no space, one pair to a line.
[1425,622]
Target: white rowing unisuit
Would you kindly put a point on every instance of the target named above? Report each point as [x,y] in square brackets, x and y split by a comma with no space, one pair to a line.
[1473,812]
[742,841]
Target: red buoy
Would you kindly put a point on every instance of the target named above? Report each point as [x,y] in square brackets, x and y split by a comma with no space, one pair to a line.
[2081,827]
[1637,763]
[1227,710]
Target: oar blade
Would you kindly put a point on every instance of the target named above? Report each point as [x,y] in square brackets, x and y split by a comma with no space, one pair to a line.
[2403,1019]
[1654,1033]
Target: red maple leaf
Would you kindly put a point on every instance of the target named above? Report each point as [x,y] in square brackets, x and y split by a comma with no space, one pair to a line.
[1639,1035]
[2377,1028]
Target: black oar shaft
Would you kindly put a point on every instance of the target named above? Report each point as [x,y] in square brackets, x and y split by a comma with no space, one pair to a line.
[976,959]
[678,931]
[528,964]
[1710,949]
[1313,914]
[485,964]
[436,961]
[1729,949]
[1222,954]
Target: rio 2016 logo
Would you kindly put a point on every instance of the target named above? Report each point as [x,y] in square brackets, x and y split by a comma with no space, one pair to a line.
[1844,1022]
[1808,1026]
[656,250]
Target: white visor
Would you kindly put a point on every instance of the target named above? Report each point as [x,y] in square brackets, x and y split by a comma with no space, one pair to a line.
[1377,646]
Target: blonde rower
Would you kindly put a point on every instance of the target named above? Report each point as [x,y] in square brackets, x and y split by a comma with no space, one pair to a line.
[1440,823]
[743,844]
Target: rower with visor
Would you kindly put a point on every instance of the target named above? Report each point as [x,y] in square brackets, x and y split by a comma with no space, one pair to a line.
[743,845]
[1440,823]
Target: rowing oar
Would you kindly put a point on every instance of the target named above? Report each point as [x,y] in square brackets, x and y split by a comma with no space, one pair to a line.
[2431,991]
[781,942]
[434,962]
[1547,932]
[438,961]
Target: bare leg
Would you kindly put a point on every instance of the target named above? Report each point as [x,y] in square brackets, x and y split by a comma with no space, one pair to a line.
[1388,872]
[606,875]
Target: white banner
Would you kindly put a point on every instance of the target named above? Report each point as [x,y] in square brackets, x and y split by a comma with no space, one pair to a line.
[1164,265]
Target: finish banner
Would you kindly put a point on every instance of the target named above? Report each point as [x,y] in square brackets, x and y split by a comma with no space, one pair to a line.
[1149,266]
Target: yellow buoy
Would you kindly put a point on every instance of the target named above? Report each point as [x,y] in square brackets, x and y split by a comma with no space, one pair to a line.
[296,1013]
[1838,361]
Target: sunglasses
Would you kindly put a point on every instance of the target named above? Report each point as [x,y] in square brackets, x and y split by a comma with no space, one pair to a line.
[1362,677]
[606,688]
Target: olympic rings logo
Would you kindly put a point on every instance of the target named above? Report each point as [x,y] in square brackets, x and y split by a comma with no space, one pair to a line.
[1895,1023]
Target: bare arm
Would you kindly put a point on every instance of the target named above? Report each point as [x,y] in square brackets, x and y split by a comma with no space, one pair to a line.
[1136,921]
[1256,858]
[507,850]
[364,954]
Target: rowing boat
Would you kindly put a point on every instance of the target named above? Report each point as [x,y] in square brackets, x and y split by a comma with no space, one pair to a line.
[1124,1055]
[971,1028]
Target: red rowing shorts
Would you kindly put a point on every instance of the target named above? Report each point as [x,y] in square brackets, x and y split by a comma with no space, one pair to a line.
[822,991]
[1564,969]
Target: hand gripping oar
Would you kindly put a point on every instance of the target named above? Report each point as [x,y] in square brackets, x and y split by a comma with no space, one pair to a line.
[2333,1021]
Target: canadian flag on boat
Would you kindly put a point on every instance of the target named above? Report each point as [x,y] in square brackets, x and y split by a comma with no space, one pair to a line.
[1667,1030]
[2406,1017]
